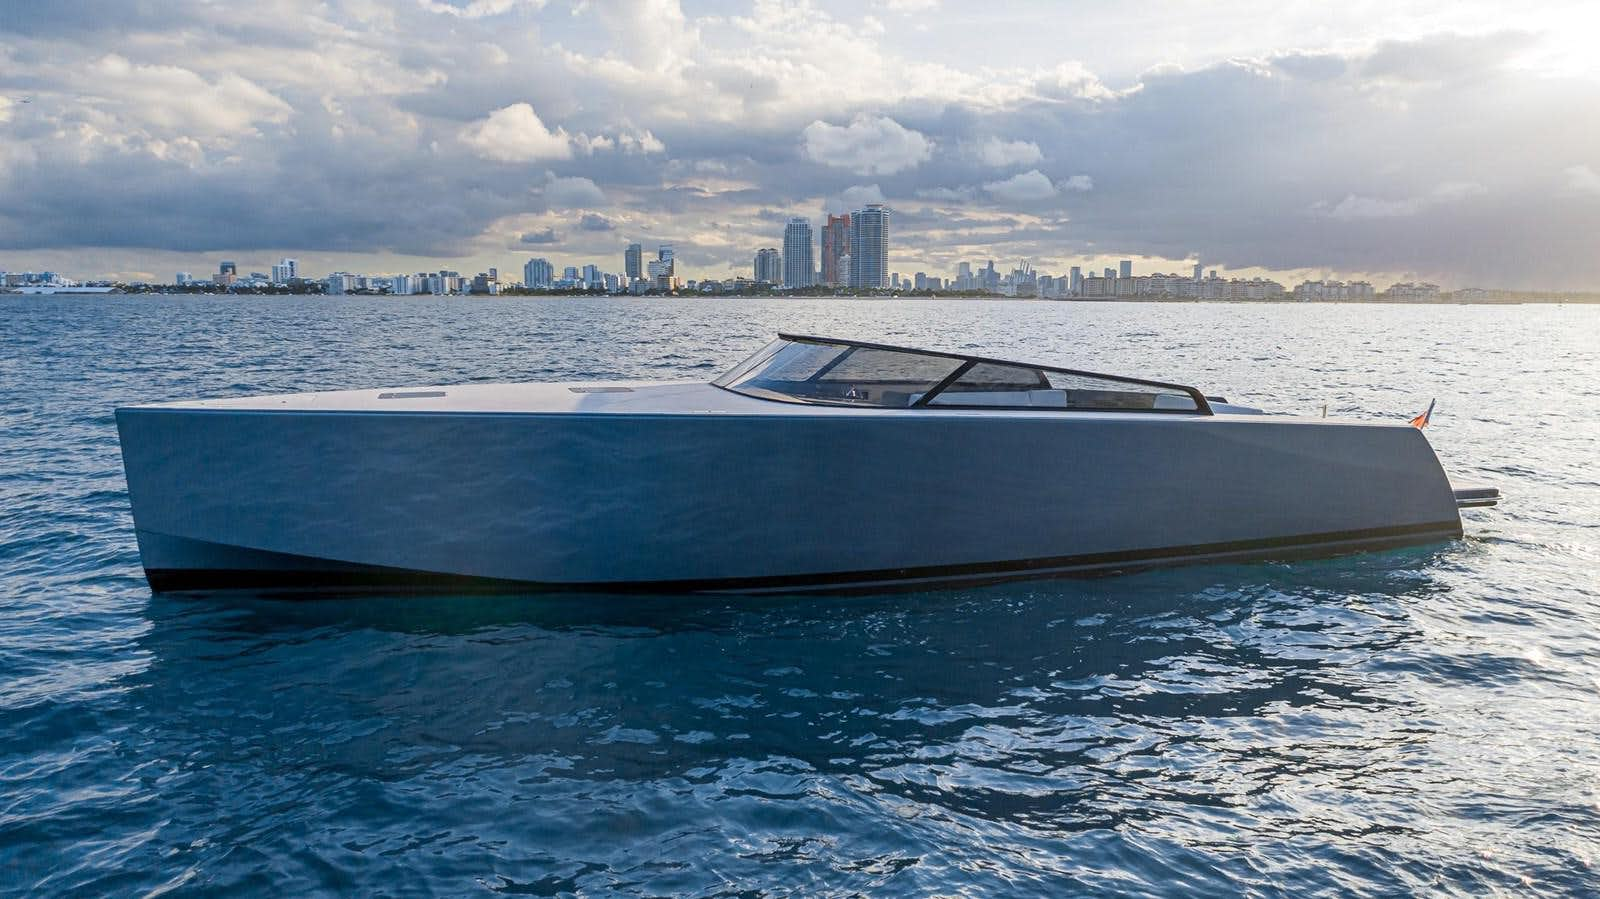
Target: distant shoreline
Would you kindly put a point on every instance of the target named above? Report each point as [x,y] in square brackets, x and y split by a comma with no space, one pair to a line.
[1535,300]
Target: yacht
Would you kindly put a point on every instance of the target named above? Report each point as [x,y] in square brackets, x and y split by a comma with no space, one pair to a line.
[818,464]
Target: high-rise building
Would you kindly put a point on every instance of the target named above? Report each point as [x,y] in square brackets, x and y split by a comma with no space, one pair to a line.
[633,262]
[1075,286]
[769,266]
[989,279]
[799,260]
[538,274]
[835,246]
[869,247]
[1125,268]
[663,270]
[285,271]
[1110,272]
[183,278]
[1197,271]
[592,278]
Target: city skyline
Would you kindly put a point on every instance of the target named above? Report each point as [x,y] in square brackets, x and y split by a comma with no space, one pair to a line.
[1379,143]
[662,276]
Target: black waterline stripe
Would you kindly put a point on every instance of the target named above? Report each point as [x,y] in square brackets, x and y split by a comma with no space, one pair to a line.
[164,580]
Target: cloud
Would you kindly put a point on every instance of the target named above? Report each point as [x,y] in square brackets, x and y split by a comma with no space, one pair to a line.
[515,134]
[593,221]
[909,6]
[393,137]
[946,193]
[542,236]
[571,192]
[640,142]
[477,9]
[867,146]
[853,198]
[1353,207]
[1004,154]
[1445,57]
[167,99]
[1028,187]
[1069,81]
[1582,179]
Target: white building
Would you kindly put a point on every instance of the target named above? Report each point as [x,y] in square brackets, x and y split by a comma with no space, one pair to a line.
[1413,293]
[769,266]
[869,247]
[538,274]
[799,258]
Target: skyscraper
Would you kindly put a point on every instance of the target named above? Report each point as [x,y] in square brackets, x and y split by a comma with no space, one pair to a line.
[799,261]
[835,244]
[1125,268]
[1076,285]
[591,277]
[538,274]
[869,247]
[1197,271]
[663,269]
[769,266]
[633,262]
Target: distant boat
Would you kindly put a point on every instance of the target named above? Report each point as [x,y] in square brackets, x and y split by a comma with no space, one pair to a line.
[817,464]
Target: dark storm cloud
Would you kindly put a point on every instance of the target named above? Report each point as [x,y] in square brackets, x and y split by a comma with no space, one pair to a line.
[542,236]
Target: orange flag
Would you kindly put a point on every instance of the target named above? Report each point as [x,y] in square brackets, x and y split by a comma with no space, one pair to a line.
[1421,421]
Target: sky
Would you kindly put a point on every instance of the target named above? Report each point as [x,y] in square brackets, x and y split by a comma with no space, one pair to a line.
[1456,142]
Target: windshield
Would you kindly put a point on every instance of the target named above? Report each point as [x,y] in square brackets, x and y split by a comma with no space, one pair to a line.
[813,370]
[817,372]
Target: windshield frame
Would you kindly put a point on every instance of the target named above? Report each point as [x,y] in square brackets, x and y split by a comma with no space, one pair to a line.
[728,380]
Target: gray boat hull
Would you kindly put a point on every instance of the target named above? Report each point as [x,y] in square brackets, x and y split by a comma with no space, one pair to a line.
[320,500]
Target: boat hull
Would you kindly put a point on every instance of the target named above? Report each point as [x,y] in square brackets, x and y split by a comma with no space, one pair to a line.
[328,500]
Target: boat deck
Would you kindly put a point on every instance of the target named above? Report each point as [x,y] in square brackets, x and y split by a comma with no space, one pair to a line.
[622,398]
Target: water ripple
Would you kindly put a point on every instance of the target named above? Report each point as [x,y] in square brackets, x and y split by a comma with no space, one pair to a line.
[1415,722]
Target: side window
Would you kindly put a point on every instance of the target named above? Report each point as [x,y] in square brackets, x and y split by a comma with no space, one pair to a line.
[993,384]
[1087,392]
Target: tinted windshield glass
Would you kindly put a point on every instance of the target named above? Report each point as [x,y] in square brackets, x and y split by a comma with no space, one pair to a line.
[812,372]
[993,384]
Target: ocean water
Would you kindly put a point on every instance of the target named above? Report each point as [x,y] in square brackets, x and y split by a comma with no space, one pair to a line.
[1424,721]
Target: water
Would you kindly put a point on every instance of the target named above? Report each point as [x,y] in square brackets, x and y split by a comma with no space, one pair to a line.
[1422,721]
